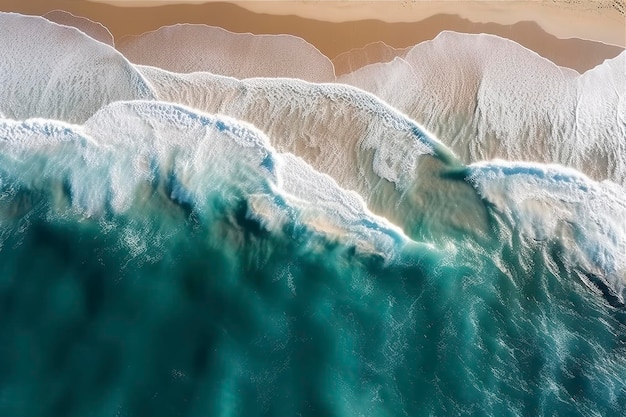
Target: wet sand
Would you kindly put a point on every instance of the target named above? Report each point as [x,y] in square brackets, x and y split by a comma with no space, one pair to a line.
[372,53]
[89,27]
[331,38]
[599,20]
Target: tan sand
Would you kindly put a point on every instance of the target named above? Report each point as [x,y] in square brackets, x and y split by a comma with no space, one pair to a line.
[369,54]
[333,38]
[599,20]
[93,29]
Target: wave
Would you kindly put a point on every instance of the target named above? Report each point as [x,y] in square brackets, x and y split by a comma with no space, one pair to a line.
[154,221]
[390,160]
[399,169]
[560,208]
[131,153]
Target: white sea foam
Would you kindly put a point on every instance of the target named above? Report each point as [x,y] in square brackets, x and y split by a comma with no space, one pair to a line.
[328,205]
[558,205]
[360,141]
[93,29]
[189,48]
[384,80]
[328,125]
[129,151]
[488,97]
[54,71]
[599,139]
[196,151]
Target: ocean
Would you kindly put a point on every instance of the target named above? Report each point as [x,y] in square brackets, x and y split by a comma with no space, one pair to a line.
[201,245]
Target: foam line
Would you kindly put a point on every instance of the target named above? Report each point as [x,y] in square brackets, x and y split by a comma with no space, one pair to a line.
[130,151]
[563,207]
[93,29]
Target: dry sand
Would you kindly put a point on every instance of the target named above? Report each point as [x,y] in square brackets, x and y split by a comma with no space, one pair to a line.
[333,38]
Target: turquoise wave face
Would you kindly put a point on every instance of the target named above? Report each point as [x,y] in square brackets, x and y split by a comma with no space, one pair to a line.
[155,312]
[177,295]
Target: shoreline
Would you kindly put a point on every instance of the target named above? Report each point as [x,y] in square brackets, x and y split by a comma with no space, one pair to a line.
[598,20]
[331,38]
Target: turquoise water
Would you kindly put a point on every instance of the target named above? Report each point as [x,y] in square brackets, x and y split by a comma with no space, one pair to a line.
[172,308]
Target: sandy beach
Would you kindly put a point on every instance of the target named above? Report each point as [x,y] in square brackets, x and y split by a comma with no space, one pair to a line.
[600,20]
[577,36]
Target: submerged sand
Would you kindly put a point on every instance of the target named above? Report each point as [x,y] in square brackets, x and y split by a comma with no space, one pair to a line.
[324,23]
